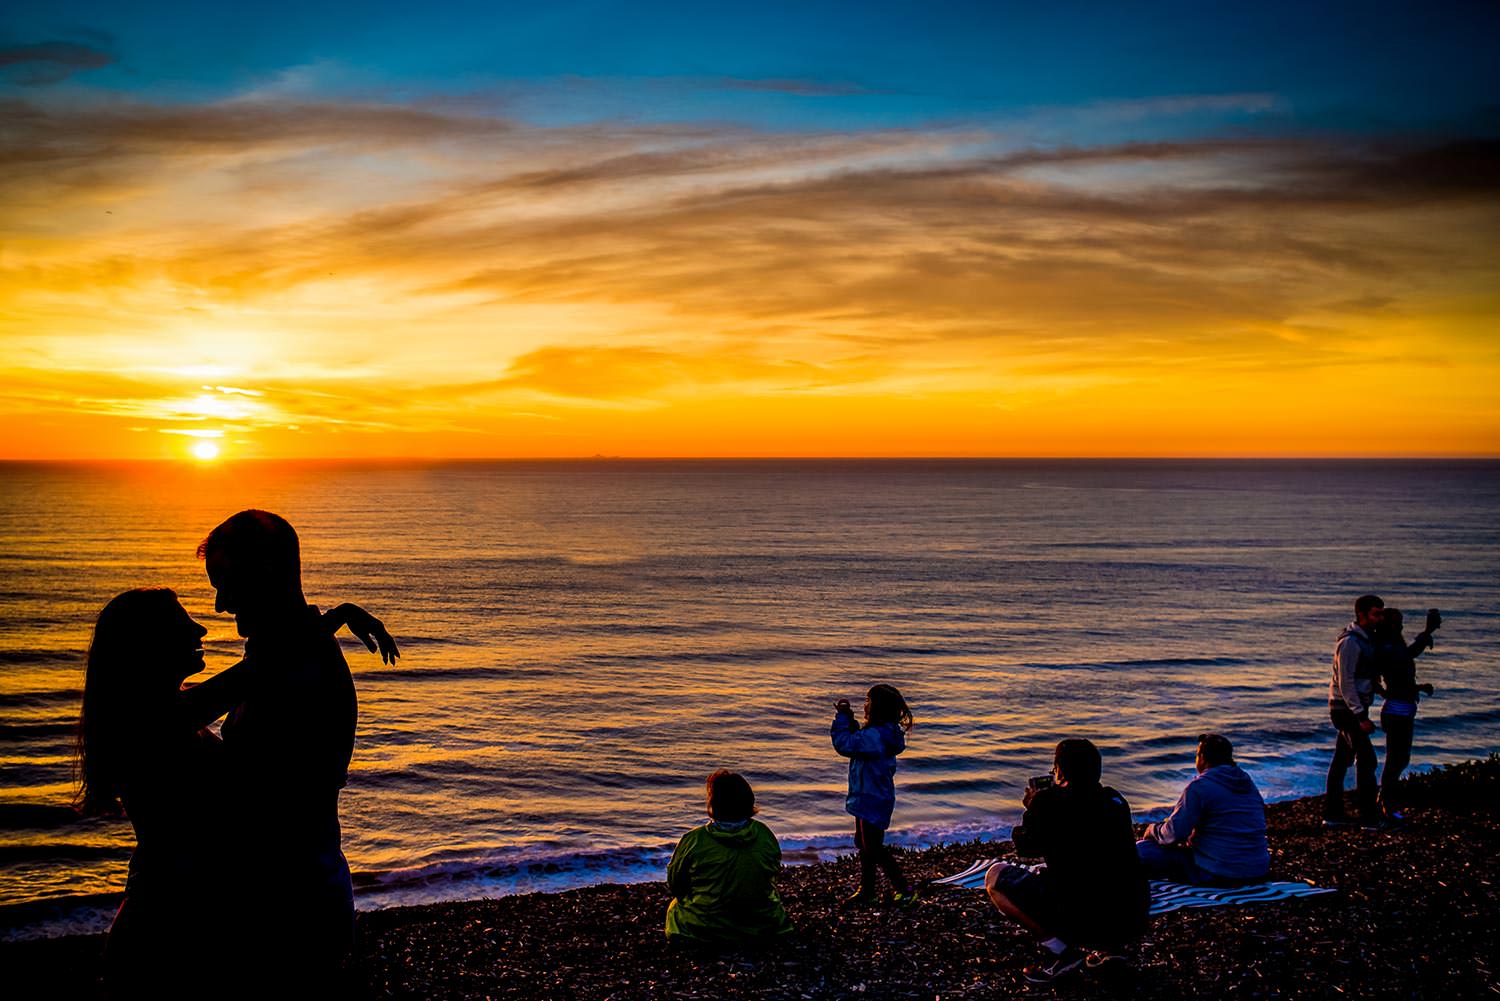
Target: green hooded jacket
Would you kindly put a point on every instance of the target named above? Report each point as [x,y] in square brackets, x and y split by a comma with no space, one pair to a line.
[723,883]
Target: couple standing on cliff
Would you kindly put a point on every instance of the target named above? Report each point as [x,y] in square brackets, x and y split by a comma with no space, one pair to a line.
[238,884]
[1373,658]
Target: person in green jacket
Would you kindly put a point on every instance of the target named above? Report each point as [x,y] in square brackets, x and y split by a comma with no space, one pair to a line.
[722,875]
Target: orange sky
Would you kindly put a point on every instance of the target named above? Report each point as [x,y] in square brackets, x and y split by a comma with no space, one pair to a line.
[284,279]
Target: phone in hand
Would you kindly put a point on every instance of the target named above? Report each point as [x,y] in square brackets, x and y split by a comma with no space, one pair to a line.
[1039,782]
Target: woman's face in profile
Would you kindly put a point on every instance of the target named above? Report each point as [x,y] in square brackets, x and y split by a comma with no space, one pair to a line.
[179,644]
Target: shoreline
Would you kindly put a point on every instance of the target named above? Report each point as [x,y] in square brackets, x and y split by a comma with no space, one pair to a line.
[551,872]
[1417,914]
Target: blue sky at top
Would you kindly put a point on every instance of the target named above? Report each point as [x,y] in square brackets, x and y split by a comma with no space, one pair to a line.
[1367,67]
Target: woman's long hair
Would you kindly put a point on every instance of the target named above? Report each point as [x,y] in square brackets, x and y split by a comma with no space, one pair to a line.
[117,692]
[887,706]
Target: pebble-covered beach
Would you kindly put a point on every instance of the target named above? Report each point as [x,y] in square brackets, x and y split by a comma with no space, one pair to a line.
[1417,916]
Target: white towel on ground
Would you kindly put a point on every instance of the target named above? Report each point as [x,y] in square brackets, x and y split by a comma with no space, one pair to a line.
[1166,896]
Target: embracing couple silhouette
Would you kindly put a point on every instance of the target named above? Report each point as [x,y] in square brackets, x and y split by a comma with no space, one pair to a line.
[238,883]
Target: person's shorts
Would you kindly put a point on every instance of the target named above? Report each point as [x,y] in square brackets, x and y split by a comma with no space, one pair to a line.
[1025,889]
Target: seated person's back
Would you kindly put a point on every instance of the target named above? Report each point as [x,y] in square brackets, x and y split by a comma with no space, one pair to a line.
[1216,834]
[722,875]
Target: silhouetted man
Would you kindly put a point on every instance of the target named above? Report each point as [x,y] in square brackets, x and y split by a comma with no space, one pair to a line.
[287,748]
[1093,892]
[1350,693]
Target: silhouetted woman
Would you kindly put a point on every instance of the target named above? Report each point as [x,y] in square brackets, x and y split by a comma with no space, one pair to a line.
[1397,662]
[142,747]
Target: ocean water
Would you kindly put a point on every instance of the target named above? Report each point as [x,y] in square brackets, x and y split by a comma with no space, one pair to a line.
[585,641]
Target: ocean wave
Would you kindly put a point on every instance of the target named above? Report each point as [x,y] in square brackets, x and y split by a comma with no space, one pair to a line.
[977,783]
[44,699]
[726,657]
[61,852]
[80,914]
[31,731]
[1461,720]
[68,655]
[505,873]
[36,816]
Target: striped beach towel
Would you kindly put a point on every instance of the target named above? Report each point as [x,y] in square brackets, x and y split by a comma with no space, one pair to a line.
[1166,897]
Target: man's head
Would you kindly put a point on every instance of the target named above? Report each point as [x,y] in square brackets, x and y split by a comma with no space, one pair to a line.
[1367,611]
[1214,750]
[1076,762]
[255,565]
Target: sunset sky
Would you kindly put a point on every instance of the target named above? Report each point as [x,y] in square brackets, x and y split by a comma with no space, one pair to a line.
[659,229]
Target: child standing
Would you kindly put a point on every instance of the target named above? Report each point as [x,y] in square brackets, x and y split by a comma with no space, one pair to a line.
[872,751]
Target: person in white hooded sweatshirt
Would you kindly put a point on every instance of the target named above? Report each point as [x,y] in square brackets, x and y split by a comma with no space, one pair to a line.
[1350,693]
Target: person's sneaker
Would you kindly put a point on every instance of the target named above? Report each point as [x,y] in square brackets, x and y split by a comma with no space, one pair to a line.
[1061,965]
[904,900]
[1337,823]
[862,898]
[1107,957]
[1382,824]
[1395,816]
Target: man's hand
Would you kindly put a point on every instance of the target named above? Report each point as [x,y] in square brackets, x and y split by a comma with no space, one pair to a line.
[1368,726]
[1425,689]
[1434,620]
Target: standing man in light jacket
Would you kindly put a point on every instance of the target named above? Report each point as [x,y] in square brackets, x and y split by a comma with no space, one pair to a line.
[1350,694]
[1216,835]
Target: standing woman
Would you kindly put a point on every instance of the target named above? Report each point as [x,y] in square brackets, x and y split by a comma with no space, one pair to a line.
[143,750]
[1397,662]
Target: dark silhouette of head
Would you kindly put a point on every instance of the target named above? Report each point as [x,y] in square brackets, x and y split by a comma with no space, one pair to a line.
[254,562]
[884,704]
[730,797]
[1367,610]
[1214,750]
[1392,621]
[1077,762]
[144,645]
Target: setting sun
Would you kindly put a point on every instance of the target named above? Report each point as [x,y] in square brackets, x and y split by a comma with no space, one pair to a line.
[206,451]
[1019,263]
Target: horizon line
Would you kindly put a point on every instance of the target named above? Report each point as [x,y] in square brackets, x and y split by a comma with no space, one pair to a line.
[238,460]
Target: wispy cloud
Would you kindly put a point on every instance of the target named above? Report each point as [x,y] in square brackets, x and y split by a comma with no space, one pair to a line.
[792,86]
[386,266]
[49,62]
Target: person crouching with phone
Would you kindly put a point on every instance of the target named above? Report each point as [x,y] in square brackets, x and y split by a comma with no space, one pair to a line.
[1092,893]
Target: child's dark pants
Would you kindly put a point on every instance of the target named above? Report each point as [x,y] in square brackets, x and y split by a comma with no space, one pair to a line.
[873,853]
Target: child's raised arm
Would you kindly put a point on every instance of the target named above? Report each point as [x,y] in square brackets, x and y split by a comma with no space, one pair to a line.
[852,742]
